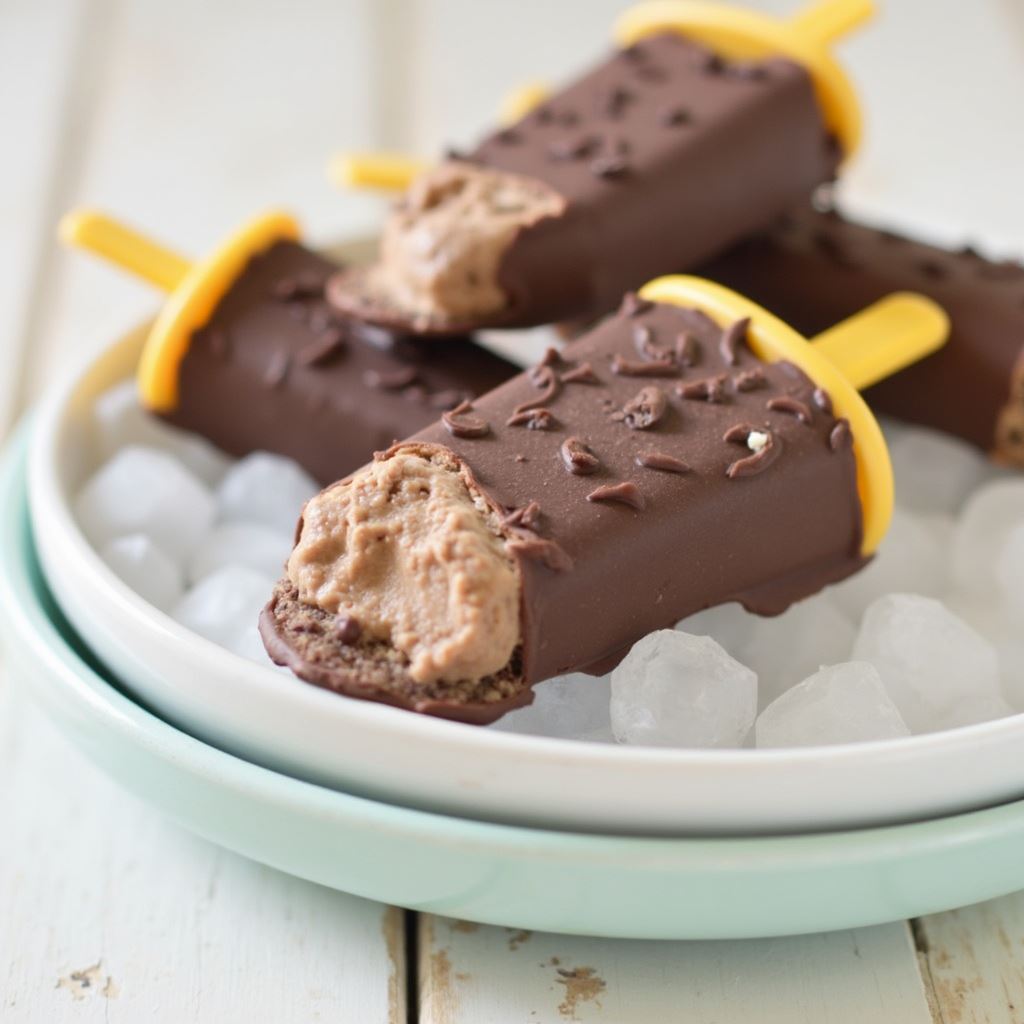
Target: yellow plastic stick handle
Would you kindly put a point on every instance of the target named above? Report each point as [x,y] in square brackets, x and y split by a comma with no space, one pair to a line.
[829,20]
[884,338]
[389,172]
[125,247]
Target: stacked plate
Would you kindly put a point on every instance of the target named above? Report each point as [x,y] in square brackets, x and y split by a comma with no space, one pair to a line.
[489,826]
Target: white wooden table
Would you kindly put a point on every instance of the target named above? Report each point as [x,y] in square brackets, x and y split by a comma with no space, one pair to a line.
[184,118]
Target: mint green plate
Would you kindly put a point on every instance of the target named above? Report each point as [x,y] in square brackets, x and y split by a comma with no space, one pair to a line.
[519,877]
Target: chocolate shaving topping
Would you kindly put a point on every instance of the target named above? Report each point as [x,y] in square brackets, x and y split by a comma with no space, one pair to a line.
[823,400]
[539,549]
[761,459]
[792,406]
[687,349]
[551,357]
[644,367]
[288,289]
[932,269]
[521,458]
[840,436]
[749,72]
[711,389]
[277,369]
[323,349]
[509,136]
[732,337]
[546,378]
[390,380]
[526,516]
[651,73]
[459,424]
[645,409]
[712,64]
[532,419]
[633,305]
[615,100]
[738,433]
[751,380]
[347,629]
[573,149]
[578,458]
[582,374]
[662,462]
[627,493]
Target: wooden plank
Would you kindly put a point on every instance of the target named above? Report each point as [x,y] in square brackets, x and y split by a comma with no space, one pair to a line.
[201,120]
[973,959]
[112,914]
[482,975]
[38,61]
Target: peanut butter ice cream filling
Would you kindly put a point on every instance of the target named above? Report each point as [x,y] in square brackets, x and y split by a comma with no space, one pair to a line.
[442,248]
[404,553]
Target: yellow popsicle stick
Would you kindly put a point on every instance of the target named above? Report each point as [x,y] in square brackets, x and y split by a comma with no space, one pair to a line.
[739,34]
[125,247]
[521,101]
[388,172]
[194,289]
[911,326]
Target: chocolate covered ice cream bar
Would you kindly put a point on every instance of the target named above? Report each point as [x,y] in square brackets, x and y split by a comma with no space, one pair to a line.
[816,267]
[248,354]
[700,129]
[691,450]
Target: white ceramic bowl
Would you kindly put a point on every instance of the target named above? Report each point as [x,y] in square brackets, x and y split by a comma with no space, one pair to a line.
[373,750]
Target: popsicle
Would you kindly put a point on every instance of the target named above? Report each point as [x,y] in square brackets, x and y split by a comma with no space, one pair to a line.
[247,353]
[704,125]
[816,267]
[689,451]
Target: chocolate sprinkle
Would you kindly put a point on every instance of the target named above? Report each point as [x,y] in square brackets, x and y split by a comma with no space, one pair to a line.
[582,374]
[527,516]
[673,117]
[277,369]
[390,380]
[551,357]
[578,458]
[823,400]
[732,337]
[547,552]
[646,409]
[347,629]
[792,406]
[627,493]
[687,349]
[644,368]
[608,167]
[459,424]
[532,419]
[546,378]
[751,380]
[573,149]
[759,461]
[840,436]
[323,349]
[711,389]
[662,462]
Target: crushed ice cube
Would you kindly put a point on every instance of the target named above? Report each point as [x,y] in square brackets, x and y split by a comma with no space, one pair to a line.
[1010,570]
[983,529]
[224,606]
[250,544]
[929,659]
[912,559]
[791,646]
[119,421]
[934,472]
[145,568]
[265,488]
[141,490]
[678,690]
[572,707]
[844,703]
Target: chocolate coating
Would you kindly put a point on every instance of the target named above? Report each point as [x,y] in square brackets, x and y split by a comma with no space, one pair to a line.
[816,268]
[275,369]
[665,156]
[659,525]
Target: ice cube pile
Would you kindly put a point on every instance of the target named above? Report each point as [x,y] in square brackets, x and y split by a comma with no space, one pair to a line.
[930,636]
[197,535]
